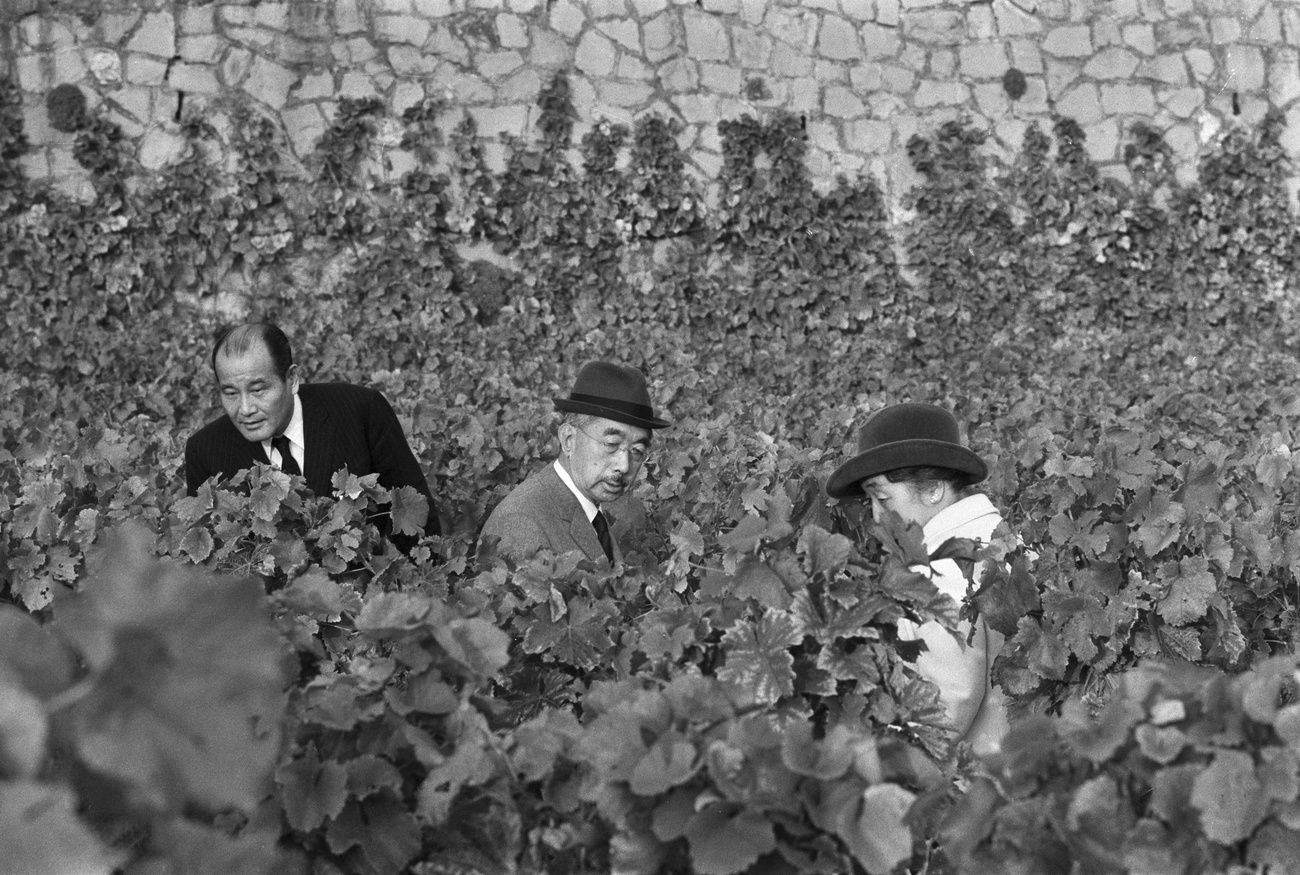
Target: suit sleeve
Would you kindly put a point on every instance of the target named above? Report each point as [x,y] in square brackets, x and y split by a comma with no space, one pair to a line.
[393,459]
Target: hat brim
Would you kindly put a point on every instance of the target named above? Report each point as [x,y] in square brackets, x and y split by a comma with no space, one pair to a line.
[844,483]
[567,405]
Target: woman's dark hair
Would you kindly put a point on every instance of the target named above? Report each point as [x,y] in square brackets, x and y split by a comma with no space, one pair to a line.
[922,475]
[239,339]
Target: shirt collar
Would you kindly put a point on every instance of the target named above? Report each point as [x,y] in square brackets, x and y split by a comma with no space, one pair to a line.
[293,431]
[589,507]
[955,516]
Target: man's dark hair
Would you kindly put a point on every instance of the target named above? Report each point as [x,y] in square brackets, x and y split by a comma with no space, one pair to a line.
[239,339]
[925,475]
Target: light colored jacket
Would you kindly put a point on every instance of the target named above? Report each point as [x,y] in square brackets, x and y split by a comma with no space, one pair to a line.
[543,513]
[976,709]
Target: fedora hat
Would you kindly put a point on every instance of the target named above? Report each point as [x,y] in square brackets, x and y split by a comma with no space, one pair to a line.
[616,392]
[905,436]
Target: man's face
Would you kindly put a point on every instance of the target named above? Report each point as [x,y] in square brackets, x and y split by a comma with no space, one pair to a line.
[257,399]
[904,499]
[603,457]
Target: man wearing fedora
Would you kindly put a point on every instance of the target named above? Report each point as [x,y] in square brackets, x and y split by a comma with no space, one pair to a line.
[913,468]
[604,438]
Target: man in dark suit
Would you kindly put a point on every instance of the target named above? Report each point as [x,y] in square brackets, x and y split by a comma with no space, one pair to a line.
[273,418]
[604,437]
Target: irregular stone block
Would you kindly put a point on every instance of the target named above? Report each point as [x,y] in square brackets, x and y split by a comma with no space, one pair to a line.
[824,134]
[679,75]
[1183,102]
[625,94]
[1102,144]
[1070,41]
[646,8]
[235,66]
[724,7]
[512,31]
[1106,33]
[943,63]
[1061,75]
[1112,63]
[623,31]
[406,95]
[446,46]
[195,20]
[1200,62]
[68,66]
[1267,29]
[135,103]
[315,86]
[155,36]
[867,78]
[944,27]
[1284,77]
[660,39]
[841,102]
[1244,66]
[788,61]
[1128,99]
[143,70]
[930,94]
[898,80]
[988,61]
[202,49]
[355,86]
[568,18]
[870,135]
[1081,103]
[805,95]
[402,29]
[493,121]
[348,18]
[603,8]
[697,108]
[521,87]
[753,49]
[880,43]
[631,67]
[838,39]
[112,27]
[980,23]
[1225,30]
[304,125]
[270,83]
[440,8]
[706,38]
[831,72]
[195,78]
[495,65]
[721,78]
[992,100]
[409,60]
[272,15]
[1170,34]
[1169,69]
[595,54]
[35,164]
[549,50]
[1140,37]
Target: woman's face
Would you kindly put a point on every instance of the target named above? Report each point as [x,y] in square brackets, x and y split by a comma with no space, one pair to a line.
[907,500]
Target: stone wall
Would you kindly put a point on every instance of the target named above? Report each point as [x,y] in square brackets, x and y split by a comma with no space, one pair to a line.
[864,75]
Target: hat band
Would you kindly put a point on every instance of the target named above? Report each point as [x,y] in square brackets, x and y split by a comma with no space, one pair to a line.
[640,411]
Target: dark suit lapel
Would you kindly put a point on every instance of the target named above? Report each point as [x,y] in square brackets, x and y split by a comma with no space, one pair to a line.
[581,530]
[315,439]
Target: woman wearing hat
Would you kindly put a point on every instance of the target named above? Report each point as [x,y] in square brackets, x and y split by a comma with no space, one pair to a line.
[911,463]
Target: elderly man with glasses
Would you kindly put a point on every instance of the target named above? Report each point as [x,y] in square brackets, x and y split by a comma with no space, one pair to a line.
[604,437]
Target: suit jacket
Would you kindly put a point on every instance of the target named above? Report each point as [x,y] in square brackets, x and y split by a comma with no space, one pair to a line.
[343,425]
[543,513]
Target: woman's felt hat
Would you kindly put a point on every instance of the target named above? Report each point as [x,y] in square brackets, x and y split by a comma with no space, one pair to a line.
[905,436]
[613,391]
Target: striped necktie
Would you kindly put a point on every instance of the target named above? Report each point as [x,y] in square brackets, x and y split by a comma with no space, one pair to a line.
[288,464]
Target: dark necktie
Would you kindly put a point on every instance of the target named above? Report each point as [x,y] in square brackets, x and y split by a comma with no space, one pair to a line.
[602,532]
[288,464]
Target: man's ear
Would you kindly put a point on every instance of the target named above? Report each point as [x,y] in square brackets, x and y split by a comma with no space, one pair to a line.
[567,437]
[292,378]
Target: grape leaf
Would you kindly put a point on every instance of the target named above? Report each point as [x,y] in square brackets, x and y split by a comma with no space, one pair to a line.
[670,761]
[876,829]
[759,667]
[1161,743]
[186,699]
[826,759]
[826,553]
[1274,848]
[42,835]
[23,729]
[387,834]
[370,774]
[311,792]
[475,643]
[724,840]
[1191,586]
[197,544]
[579,638]
[410,511]
[1229,796]
[38,660]
[196,849]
